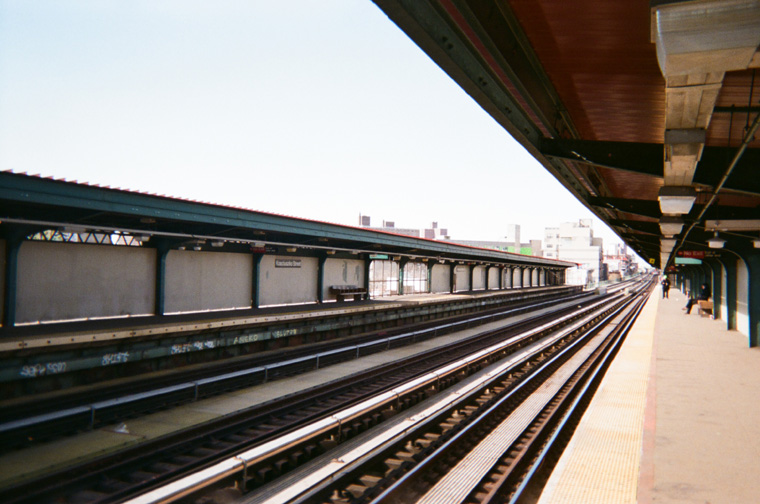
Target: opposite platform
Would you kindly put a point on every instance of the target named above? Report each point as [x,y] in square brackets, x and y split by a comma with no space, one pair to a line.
[697,440]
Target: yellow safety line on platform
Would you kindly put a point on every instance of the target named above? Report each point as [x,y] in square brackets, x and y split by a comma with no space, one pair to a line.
[601,462]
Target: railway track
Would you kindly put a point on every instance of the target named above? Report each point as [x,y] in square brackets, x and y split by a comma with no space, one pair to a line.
[29,422]
[257,447]
[505,414]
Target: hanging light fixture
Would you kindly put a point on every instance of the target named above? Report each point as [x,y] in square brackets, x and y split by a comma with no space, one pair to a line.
[670,225]
[676,199]
[716,241]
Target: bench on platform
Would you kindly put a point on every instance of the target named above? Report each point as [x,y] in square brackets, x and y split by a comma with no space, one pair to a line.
[343,291]
[705,308]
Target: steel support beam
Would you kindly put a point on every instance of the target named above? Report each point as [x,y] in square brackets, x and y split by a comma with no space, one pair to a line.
[12,245]
[717,286]
[162,250]
[642,158]
[430,266]
[646,159]
[751,259]
[321,279]
[453,278]
[730,266]
[256,281]
[401,264]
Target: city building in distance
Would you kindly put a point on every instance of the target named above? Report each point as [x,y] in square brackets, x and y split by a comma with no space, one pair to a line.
[511,242]
[575,242]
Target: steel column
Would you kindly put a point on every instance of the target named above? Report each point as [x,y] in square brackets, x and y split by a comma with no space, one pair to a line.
[162,250]
[717,286]
[401,265]
[321,279]
[453,278]
[730,265]
[753,301]
[430,266]
[752,260]
[256,281]
[12,246]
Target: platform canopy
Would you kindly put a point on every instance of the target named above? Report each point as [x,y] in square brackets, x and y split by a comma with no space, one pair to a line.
[36,208]
[646,112]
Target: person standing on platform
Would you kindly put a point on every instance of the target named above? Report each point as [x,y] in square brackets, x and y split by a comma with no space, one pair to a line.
[704,295]
[665,287]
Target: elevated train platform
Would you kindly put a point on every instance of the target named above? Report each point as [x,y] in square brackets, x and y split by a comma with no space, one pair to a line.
[674,420]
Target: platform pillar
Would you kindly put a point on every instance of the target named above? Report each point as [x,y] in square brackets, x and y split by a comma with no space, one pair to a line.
[730,265]
[367,264]
[256,281]
[520,276]
[321,279]
[162,251]
[753,265]
[717,286]
[430,266]
[752,260]
[12,246]
[401,265]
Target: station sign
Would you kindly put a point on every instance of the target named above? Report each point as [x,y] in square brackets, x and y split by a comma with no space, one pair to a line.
[698,254]
[264,250]
[287,263]
[378,256]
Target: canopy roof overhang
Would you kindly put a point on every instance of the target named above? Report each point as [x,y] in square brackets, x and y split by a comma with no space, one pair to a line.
[32,206]
[580,85]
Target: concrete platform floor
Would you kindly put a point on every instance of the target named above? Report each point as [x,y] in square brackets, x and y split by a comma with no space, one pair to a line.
[696,440]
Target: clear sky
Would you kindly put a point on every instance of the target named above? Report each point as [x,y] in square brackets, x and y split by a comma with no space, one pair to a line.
[322,110]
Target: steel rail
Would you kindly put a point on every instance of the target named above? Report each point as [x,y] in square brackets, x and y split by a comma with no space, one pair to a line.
[566,318]
[85,416]
[401,490]
[233,465]
[541,466]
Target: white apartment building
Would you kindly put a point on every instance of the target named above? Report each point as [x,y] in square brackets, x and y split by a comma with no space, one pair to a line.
[575,242]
